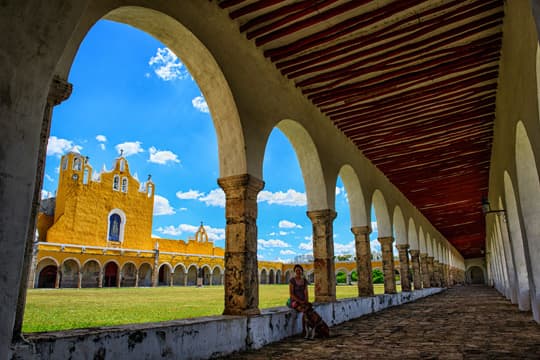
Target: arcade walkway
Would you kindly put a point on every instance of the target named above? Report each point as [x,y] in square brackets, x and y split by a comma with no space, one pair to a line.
[473,322]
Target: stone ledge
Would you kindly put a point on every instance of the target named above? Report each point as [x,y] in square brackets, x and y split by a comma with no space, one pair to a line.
[197,338]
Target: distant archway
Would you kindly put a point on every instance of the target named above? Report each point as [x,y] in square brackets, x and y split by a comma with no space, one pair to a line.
[475,275]
[110,274]
[47,277]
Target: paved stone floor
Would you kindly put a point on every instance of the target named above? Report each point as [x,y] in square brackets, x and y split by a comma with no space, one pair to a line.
[461,323]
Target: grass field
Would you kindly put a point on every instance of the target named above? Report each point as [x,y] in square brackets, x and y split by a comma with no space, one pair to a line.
[62,309]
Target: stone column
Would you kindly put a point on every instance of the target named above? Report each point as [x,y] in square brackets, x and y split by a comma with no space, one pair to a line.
[241,282]
[430,271]
[171,279]
[59,91]
[119,279]
[415,259]
[136,278]
[388,264]
[33,265]
[185,278]
[58,277]
[363,260]
[79,279]
[403,250]
[100,278]
[424,268]
[155,270]
[323,252]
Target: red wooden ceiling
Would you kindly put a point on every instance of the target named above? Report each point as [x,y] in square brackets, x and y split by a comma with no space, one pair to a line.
[411,82]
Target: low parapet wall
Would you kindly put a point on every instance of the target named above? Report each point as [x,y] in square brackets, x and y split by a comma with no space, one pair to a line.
[198,338]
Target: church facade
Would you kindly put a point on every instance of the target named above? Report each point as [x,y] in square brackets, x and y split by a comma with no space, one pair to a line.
[98,233]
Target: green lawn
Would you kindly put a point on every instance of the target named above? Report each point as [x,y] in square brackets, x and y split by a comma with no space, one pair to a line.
[61,309]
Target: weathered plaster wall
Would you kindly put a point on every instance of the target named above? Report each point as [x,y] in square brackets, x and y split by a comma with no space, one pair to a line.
[199,338]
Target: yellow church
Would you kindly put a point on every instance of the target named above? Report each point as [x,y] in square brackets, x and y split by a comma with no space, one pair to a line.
[98,233]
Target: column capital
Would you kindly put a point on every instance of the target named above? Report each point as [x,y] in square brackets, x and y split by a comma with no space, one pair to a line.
[318,215]
[414,253]
[386,239]
[361,230]
[237,182]
[402,246]
[423,255]
[59,90]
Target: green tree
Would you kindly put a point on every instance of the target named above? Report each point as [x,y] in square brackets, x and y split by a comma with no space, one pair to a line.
[377,276]
[341,278]
[354,276]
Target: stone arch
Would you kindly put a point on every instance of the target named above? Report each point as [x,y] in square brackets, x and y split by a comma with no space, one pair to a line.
[516,239]
[475,275]
[216,276]
[278,277]
[201,64]
[271,277]
[384,226]
[91,271]
[192,274]
[128,274]
[529,197]
[47,272]
[145,275]
[264,276]
[288,275]
[205,274]
[179,276]
[422,241]
[413,236]
[357,204]
[70,273]
[110,274]
[164,274]
[317,194]
[400,229]
[429,245]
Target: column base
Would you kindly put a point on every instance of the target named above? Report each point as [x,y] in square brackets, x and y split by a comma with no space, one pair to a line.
[325,298]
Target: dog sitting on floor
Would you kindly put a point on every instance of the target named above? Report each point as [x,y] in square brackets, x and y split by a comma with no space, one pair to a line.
[312,323]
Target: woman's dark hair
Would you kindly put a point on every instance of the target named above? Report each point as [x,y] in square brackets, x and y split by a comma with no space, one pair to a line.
[298,266]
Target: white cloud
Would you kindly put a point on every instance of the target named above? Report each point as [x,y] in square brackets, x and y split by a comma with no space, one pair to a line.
[48,177]
[306,246]
[338,190]
[129,148]
[183,209]
[156,236]
[375,245]
[189,195]
[167,66]
[215,197]
[374,226]
[162,156]
[287,252]
[162,206]
[214,234]
[200,104]
[286,224]
[283,233]
[57,146]
[289,198]
[341,249]
[46,194]
[272,243]
[101,138]
[102,146]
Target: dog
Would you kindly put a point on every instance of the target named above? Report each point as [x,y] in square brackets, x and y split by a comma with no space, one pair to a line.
[313,324]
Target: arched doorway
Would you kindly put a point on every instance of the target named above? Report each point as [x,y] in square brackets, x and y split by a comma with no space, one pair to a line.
[476,275]
[110,275]
[47,277]
[164,276]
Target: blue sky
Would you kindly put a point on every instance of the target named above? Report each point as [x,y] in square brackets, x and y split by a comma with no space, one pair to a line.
[131,92]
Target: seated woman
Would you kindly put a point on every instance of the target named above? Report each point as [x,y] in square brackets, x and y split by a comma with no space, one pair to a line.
[298,289]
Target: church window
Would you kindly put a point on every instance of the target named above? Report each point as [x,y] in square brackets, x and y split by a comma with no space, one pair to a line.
[116,183]
[64,163]
[77,164]
[114,227]
[124,185]
[85,176]
[122,165]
